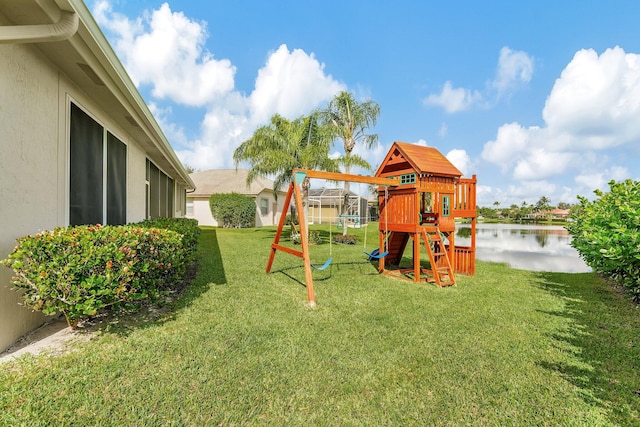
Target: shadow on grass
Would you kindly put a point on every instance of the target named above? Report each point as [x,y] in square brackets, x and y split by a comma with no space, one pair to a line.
[327,274]
[207,270]
[602,339]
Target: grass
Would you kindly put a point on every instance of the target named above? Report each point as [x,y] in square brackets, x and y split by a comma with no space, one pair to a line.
[506,347]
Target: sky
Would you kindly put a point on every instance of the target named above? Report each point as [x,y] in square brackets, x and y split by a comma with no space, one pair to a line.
[536,98]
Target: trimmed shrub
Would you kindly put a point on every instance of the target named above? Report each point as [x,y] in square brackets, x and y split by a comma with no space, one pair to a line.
[606,233]
[233,210]
[347,239]
[314,237]
[81,270]
[186,226]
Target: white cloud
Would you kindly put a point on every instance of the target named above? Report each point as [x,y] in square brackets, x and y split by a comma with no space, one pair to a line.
[596,100]
[461,160]
[454,100]
[291,83]
[593,106]
[530,191]
[540,163]
[166,51]
[421,142]
[515,68]
[512,139]
[600,179]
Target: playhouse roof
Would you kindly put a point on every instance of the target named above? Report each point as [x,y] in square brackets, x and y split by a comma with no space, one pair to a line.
[424,160]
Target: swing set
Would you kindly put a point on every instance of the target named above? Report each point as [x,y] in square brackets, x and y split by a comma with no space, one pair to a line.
[295,192]
[423,196]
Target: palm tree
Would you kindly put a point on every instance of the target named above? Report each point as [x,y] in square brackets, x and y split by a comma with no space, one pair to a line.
[350,120]
[283,145]
[543,205]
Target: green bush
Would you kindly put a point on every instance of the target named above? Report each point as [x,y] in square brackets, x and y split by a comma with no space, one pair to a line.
[348,239]
[314,237]
[606,233]
[233,210]
[80,270]
[185,226]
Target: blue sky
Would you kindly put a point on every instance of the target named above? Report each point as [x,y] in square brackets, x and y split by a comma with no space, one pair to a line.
[537,98]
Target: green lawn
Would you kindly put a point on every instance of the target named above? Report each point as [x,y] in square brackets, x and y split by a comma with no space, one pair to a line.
[506,347]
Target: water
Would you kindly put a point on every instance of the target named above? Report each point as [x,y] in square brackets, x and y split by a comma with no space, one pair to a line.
[526,247]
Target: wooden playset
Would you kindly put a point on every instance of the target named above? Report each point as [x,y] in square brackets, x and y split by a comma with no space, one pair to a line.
[420,194]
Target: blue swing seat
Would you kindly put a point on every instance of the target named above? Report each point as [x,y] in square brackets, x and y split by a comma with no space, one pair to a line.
[323,266]
[375,254]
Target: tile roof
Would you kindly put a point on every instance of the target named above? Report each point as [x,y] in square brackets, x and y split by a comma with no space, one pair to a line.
[227,181]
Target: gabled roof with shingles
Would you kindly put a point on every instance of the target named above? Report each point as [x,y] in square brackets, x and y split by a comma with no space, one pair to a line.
[227,181]
[424,160]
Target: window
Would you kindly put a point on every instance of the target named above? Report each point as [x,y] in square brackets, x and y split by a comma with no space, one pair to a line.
[160,192]
[264,207]
[98,173]
[446,206]
[116,181]
[409,178]
[189,207]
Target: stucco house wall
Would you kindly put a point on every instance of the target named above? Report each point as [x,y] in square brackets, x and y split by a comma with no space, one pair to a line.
[214,181]
[37,94]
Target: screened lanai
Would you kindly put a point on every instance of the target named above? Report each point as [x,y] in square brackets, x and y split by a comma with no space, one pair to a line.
[329,205]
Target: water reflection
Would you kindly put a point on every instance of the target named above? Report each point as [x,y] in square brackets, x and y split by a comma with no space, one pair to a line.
[528,247]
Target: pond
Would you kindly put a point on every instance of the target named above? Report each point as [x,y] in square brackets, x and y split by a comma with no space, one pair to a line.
[526,247]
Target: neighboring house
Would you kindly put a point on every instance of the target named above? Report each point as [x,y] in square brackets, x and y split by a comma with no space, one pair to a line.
[560,213]
[79,144]
[216,181]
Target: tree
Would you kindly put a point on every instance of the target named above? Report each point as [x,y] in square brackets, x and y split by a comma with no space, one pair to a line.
[350,120]
[190,169]
[606,233]
[543,205]
[283,145]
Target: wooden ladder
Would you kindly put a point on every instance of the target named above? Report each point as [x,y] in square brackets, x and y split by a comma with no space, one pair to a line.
[438,257]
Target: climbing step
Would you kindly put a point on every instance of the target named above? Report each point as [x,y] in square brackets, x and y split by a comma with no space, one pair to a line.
[438,257]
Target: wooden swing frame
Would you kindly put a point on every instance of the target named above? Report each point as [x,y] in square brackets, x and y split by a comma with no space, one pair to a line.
[295,192]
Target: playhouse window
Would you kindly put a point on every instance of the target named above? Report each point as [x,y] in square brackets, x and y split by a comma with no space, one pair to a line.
[409,178]
[446,206]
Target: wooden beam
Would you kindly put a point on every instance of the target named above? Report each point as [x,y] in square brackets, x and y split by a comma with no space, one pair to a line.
[337,176]
[304,242]
[275,246]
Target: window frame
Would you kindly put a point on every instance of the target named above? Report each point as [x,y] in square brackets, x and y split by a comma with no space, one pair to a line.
[78,170]
[408,178]
[446,206]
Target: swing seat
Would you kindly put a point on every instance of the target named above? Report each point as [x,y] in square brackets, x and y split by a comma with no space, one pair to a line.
[375,254]
[323,266]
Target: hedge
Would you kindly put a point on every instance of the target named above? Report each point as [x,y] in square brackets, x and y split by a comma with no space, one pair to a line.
[606,233]
[186,226]
[81,270]
[233,210]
